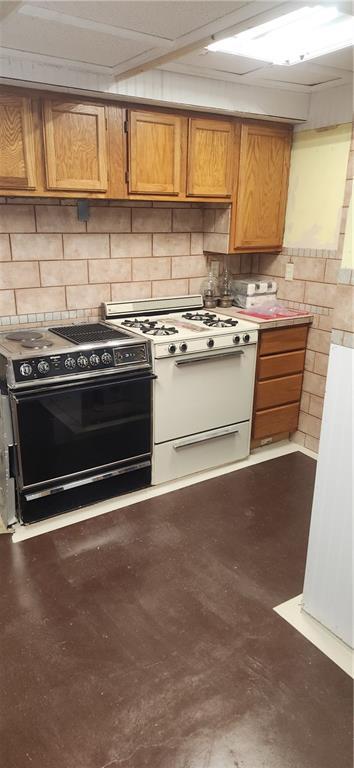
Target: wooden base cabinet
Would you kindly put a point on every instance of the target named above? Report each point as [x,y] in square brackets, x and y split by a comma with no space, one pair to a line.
[279,374]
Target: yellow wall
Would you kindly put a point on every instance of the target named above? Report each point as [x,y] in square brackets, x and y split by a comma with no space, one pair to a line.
[316,187]
[348,255]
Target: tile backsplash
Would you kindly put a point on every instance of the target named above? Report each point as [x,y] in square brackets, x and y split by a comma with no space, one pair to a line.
[54,266]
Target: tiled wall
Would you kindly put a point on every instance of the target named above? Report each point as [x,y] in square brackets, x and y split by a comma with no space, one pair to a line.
[52,263]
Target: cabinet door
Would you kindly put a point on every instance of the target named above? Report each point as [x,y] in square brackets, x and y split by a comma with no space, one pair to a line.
[155,153]
[262,187]
[17,154]
[75,146]
[209,158]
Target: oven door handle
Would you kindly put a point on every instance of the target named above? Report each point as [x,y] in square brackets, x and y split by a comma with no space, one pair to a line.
[31,496]
[205,437]
[208,358]
[35,394]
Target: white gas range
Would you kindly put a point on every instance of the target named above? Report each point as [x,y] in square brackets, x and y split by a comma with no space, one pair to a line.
[203,394]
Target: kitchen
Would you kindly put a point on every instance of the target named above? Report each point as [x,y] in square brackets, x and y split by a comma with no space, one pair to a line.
[176,279]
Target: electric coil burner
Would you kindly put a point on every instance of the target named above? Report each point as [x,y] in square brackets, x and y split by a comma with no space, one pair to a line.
[23,335]
[37,344]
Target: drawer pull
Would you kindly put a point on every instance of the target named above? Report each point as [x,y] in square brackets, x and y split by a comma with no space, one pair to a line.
[205,437]
[209,358]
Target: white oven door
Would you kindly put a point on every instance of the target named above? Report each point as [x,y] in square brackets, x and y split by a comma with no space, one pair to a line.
[204,391]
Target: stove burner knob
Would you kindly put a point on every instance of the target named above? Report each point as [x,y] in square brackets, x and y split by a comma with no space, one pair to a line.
[25,369]
[246,337]
[82,361]
[106,358]
[236,339]
[210,343]
[94,360]
[172,349]
[183,347]
[70,363]
[43,366]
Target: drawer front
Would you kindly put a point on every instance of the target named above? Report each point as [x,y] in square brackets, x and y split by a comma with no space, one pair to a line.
[177,458]
[278,391]
[276,420]
[283,339]
[280,365]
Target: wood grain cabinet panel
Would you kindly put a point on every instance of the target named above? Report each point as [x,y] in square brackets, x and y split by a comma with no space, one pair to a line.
[275,421]
[262,186]
[283,339]
[155,153]
[17,152]
[286,389]
[281,365]
[75,146]
[210,146]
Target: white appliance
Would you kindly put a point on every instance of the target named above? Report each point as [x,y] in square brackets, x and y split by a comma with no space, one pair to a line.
[203,395]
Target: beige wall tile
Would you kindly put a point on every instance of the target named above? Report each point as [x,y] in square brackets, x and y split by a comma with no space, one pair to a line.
[309,424]
[292,290]
[111,270]
[208,220]
[174,244]
[5,253]
[216,243]
[106,219]
[87,296]
[309,269]
[36,247]
[196,284]
[170,287]
[325,322]
[320,294]
[319,340]
[151,269]
[126,291]
[7,303]
[151,220]
[312,443]
[86,246]
[298,437]
[187,220]
[131,246]
[222,221]
[273,265]
[196,243]
[187,266]
[305,402]
[314,384]
[63,272]
[343,315]
[17,218]
[321,363]
[316,406]
[309,359]
[40,300]
[53,218]
[15,275]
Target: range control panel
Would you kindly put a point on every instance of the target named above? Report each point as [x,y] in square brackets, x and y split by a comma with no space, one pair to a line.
[79,361]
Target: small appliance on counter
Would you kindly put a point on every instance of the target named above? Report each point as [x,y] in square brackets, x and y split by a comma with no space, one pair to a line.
[203,394]
[253,291]
[75,418]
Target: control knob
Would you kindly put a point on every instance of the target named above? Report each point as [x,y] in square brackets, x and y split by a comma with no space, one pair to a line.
[210,343]
[183,347]
[246,337]
[236,339]
[43,366]
[172,349]
[94,360]
[82,361]
[106,358]
[70,363]
[25,369]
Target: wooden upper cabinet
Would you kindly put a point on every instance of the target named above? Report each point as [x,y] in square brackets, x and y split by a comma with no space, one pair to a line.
[209,170]
[155,153]
[261,193]
[17,153]
[75,146]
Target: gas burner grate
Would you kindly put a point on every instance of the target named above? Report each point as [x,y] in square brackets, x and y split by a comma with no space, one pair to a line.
[160,331]
[140,324]
[199,316]
[88,333]
[217,323]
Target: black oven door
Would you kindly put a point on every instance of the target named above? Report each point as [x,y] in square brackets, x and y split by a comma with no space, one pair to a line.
[75,429]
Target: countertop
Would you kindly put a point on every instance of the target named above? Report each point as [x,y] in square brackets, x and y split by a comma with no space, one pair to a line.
[282,322]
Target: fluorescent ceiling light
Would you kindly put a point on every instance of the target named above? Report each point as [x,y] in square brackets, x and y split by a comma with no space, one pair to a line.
[304,34]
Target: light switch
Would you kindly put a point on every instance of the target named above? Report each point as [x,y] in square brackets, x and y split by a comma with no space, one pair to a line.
[289,271]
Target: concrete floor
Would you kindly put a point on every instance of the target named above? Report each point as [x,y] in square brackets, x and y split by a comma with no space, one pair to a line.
[146,638]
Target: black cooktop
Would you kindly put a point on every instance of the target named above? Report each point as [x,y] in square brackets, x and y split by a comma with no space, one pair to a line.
[88,333]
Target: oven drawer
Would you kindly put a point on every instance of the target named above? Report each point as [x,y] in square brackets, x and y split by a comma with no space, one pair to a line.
[196,453]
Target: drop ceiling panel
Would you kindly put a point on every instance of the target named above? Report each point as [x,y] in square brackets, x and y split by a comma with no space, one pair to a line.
[303,74]
[222,62]
[340,59]
[165,19]
[38,36]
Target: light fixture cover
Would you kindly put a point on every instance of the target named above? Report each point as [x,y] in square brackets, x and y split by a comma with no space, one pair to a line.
[306,33]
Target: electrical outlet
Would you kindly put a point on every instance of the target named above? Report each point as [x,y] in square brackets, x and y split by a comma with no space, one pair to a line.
[289,271]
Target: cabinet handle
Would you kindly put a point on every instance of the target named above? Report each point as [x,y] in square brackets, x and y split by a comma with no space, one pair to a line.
[208,358]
